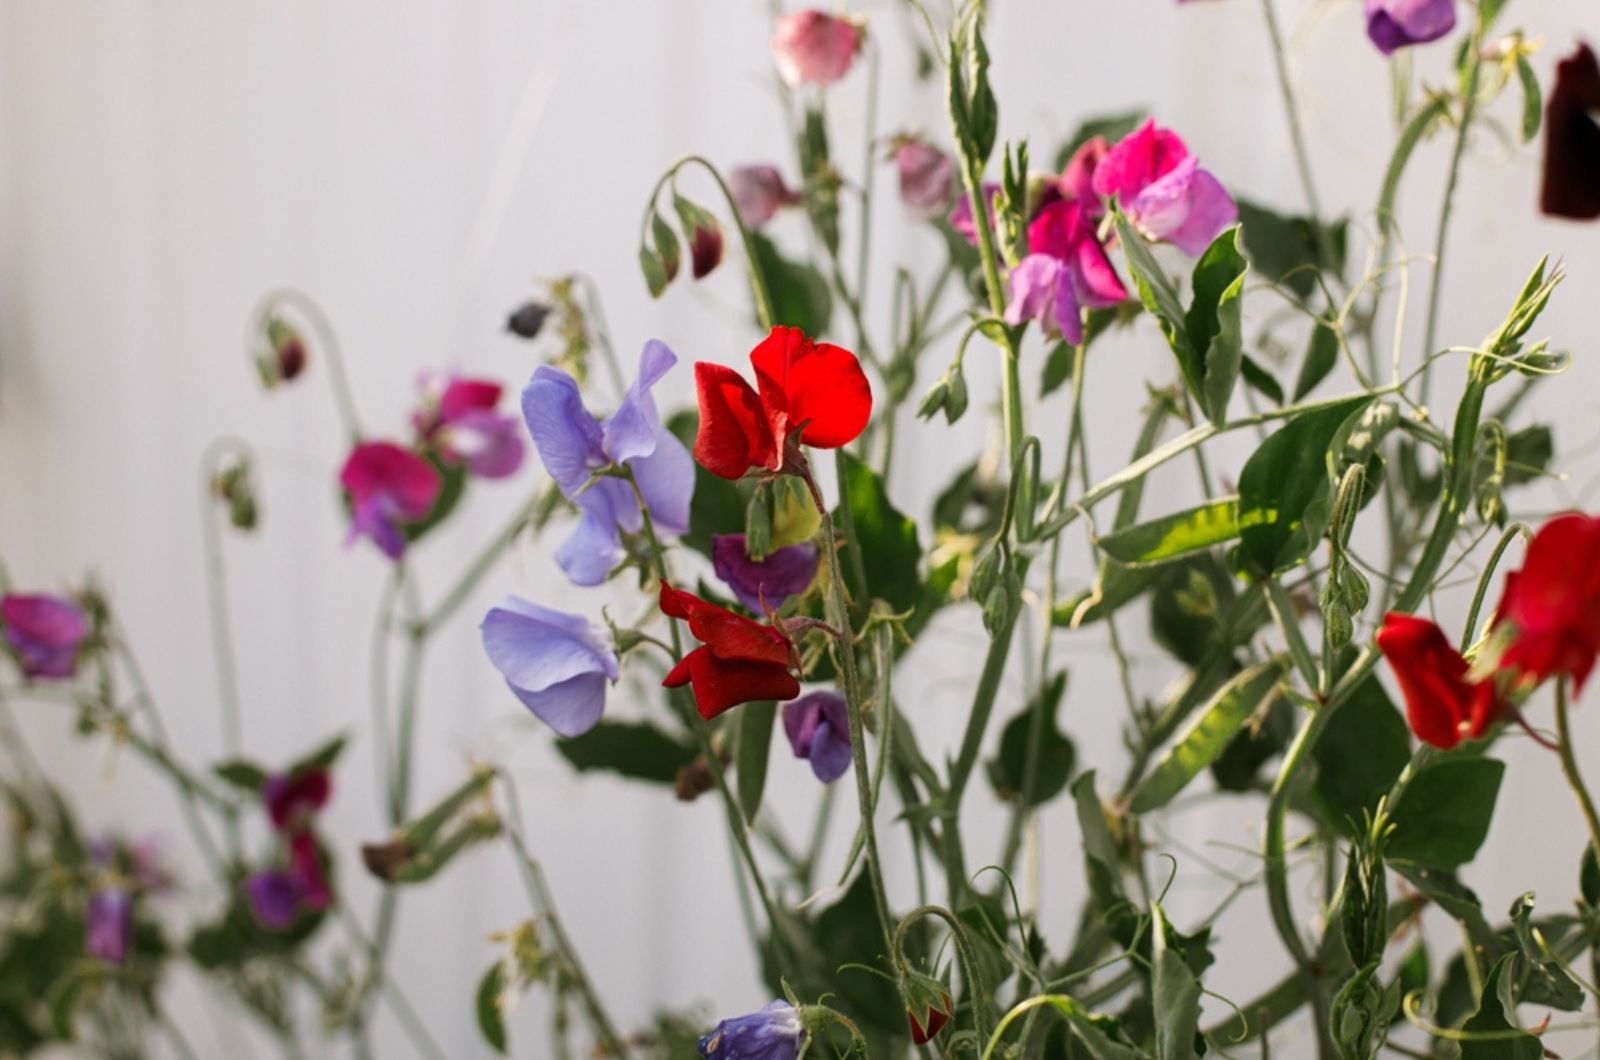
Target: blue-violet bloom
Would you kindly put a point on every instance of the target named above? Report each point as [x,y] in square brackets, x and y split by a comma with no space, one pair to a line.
[771,1033]
[785,572]
[557,664]
[818,727]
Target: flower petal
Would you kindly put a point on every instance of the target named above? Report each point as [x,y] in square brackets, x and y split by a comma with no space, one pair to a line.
[632,430]
[572,707]
[813,386]
[536,647]
[722,683]
[730,636]
[1137,161]
[785,572]
[567,436]
[734,434]
[666,481]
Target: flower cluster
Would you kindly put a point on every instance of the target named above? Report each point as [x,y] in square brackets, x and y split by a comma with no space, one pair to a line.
[279,895]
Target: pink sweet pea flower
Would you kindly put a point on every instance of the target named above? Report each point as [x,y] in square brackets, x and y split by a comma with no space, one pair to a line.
[1066,271]
[44,632]
[388,487]
[458,416]
[1077,180]
[927,178]
[812,47]
[1163,191]
[759,192]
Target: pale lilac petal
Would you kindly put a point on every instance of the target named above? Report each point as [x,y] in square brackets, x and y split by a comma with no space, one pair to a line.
[1067,317]
[927,179]
[818,728]
[572,707]
[108,925]
[1395,24]
[536,647]
[490,442]
[784,573]
[593,550]
[1163,206]
[1033,284]
[759,192]
[632,430]
[376,520]
[666,480]
[567,436]
[1211,211]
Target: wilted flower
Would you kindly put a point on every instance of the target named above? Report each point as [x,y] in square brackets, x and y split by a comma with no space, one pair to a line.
[818,727]
[557,664]
[1571,186]
[389,488]
[759,193]
[739,660]
[45,632]
[1163,191]
[785,572]
[1443,703]
[771,1033]
[814,47]
[927,178]
[458,416]
[574,445]
[1395,24]
[108,924]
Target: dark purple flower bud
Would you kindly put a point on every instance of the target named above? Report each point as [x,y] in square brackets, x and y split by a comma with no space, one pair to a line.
[784,573]
[818,727]
[286,355]
[1396,24]
[772,1033]
[705,250]
[108,924]
[293,799]
[527,320]
[1571,185]
[274,897]
[45,632]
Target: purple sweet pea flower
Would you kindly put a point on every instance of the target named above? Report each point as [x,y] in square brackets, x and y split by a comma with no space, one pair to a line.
[274,897]
[818,727]
[927,178]
[388,487]
[771,1033]
[961,216]
[557,664]
[45,632]
[1395,24]
[108,924]
[759,192]
[1042,290]
[573,444]
[1163,190]
[292,799]
[784,573]
[458,415]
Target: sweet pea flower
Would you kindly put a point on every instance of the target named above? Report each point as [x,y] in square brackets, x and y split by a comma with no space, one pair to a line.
[812,47]
[278,896]
[770,1033]
[961,218]
[555,663]
[1571,184]
[1077,180]
[818,727]
[306,869]
[108,924]
[1443,703]
[759,193]
[765,583]
[1163,191]
[810,393]
[1396,24]
[45,632]
[739,660]
[293,799]
[458,415]
[1551,606]
[573,445]
[1067,271]
[927,178]
[389,487]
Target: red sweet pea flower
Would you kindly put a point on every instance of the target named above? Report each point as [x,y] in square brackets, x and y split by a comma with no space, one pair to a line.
[740,660]
[1552,605]
[1442,705]
[809,392]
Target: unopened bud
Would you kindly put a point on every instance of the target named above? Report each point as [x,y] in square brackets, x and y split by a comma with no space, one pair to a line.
[528,319]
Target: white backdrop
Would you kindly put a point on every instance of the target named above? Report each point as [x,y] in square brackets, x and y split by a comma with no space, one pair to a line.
[413,167]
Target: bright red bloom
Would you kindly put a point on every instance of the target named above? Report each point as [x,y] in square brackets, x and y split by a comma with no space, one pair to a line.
[1553,603]
[1442,705]
[740,660]
[1571,186]
[809,392]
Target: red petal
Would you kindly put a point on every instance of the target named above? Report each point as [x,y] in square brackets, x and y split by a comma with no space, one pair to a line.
[811,385]
[723,683]
[732,637]
[734,433]
[1440,700]
[1571,185]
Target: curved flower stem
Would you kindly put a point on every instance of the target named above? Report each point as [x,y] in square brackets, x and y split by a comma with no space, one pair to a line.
[338,374]
[969,960]
[222,643]
[1569,766]
[758,279]
[410,681]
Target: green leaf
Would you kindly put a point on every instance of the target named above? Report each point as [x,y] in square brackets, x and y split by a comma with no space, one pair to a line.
[888,539]
[1528,454]
[1057,368]
[1102,865]
[1322,356]
[1420,125]
[1117,587]
[800,295]
[242,774]
[491,1020]
[1175,536]
[1284,489]
[1055,754]
[323,757]
[1509,1042]
[1360,755]
[637,750]
[1541,979]
[1285,249]
[1260,380]
[1532,102]
[1206,736]
[1443,815]
[754,752]
[1175,994]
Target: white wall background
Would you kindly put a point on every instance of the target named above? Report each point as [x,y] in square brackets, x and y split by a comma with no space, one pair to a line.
[414,167]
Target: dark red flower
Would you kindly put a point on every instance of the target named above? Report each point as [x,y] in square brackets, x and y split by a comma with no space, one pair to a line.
[1572,140]
[1442,704]
[1553,603]
[739,660]
[705,250]
[306,868]
[291,799]
[806,392]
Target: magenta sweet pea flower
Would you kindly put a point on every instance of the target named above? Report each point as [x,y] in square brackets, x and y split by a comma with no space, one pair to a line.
[389,487]
[770,1033]
[785,572]
[1396,24]
[1163,191]
[555,663]
[759,192]
[1066,272]
[961,216]
[927,178]
[458,416]
[1077,180]
[291,800]
[573,445]
[818,727]
[44,632]
[812,47]
[108,924]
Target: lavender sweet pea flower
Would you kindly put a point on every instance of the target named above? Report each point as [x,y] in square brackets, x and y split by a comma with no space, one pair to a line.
[1395,24]
[771,1033]
[759,192]
[573,444]
[557,664]
[108,924]
[784,573]
[818,727]
[45,632]
[274,897]
[1042,290]
[1163,190]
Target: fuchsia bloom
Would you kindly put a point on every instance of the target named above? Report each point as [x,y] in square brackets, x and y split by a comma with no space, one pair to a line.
[458,415]
[961,218]
[45,632]
[765,583]
[389,488]
[1077,180]
[818,727]
[1571,185]
[927,178]
[1396,24]
[1163,191]
[108,924]
[759,192]
[812,47]
[1067,271]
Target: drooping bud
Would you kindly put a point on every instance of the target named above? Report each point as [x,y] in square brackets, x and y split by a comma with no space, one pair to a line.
[929,1006]
[234,486]
[703,234]
[927,177]
[284,357]
[759,192]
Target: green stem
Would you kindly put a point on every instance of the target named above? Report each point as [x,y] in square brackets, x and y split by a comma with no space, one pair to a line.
[758,279]
[1569,766]
[970,967]
[328,341]
[1283,613]
[1512,532]
[410,1021]
[222,642]
[1291,110]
